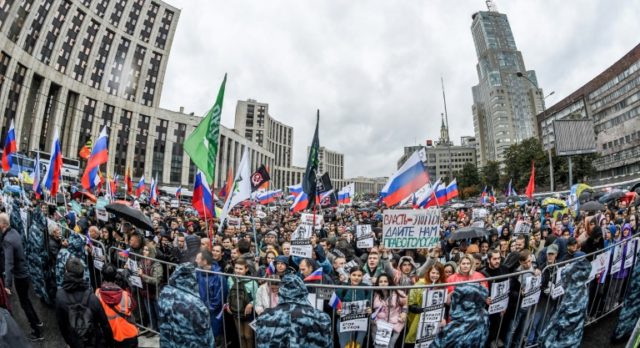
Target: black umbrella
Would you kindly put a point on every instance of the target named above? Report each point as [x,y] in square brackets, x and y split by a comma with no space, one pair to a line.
[134,216]
[592,206]
[635,187]
[469,232]
[612,196]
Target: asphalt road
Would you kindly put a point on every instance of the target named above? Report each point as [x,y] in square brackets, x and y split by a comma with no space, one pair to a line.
[595,336]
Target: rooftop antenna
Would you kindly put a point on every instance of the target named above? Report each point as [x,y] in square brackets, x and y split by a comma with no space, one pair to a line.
[491,6]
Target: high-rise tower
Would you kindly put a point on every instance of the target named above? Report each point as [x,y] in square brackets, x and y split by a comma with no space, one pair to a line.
[504,105]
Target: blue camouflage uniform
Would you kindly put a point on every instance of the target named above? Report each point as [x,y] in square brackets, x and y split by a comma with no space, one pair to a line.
[294,322]
[75,248]
[566,325]
[469,326]
[631,309]
[35,253]
[183,318]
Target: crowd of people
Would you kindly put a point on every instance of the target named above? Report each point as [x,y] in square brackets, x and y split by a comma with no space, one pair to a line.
[111,282]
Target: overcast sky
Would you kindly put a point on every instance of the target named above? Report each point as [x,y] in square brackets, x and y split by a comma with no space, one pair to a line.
[373,67]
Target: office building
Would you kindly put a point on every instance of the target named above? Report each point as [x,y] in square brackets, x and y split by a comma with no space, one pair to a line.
[504,104]
[612,101]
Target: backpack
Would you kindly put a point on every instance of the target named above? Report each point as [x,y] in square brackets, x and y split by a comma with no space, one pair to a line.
[81,318]
[238,298]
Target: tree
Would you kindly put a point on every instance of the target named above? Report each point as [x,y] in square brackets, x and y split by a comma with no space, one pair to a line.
[491,174]
[470,191]
[517,164]
[469,176]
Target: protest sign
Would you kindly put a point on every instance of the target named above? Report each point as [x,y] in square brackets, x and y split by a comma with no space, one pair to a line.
[631,251]
[384,330]
[411,229]
[531,291]
[233,221]
[499,297]
[316,302]
[136,281]
[301,241]
[432,313]
[617,259]
[354,316]
[101,214]
[557,288]
[599,265]
[364,236]
[175,203]
[479,214]
[522,227]
[308,219]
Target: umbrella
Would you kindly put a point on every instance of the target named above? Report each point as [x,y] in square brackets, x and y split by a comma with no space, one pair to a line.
[86,194]
[554,201]
[635,187]
[457,205]
[592,206]
[611,196]
[134,216]
[469,232]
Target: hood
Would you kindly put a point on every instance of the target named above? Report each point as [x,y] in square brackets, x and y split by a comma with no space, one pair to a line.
[577,273]
[292,290]
[467,301]
[71,216]
[110,293]
[73,282]
[405,259]
[184,278]
[76,243]
[627,226]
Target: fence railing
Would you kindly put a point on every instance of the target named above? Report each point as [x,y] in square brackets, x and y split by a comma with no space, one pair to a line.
[516,323]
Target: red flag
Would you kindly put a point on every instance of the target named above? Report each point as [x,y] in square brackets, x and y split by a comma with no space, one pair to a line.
[531,187]
[127,182]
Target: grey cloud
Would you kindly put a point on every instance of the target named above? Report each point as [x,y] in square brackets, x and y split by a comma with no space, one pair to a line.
[373,68]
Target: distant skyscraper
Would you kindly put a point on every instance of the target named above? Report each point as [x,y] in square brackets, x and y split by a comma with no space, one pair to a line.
[504,105]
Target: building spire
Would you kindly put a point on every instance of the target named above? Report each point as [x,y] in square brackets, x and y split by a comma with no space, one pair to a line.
[444,132]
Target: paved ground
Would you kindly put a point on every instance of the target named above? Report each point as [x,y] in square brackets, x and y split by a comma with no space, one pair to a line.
[596,335]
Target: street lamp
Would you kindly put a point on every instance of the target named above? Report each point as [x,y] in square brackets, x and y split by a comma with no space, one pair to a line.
[544,115]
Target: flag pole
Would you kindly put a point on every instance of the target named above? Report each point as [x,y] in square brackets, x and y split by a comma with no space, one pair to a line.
[252,209]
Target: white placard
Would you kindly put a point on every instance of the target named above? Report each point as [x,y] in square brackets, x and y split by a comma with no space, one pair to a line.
[301,241]
[233,221]
[479,214]
[175,203]
[364,236]
[557,288]
[531,291]
[499,297]
[132,265]
[101,214]
[136,281]
[354,316]
[616,264]
[411,229]
[631,251]
[384,330]
[432,313]
[98,264]
[599,265]
[308,219]
[522,227]
[315,301]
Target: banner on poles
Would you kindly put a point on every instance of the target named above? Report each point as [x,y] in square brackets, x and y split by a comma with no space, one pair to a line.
[411,229]
[499,297]
[364,236]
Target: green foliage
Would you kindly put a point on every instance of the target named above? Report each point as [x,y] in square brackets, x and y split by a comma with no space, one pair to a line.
[491,175]
[517,164]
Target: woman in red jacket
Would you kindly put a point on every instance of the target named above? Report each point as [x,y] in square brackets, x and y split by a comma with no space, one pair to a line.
[465,272]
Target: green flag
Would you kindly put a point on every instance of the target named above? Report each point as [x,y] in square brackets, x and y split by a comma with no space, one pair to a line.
[202,144]
[309,179]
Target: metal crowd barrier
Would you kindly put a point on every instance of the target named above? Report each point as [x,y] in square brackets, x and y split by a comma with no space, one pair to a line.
[516,326]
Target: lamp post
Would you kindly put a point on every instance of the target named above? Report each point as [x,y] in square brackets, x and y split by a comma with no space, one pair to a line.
[544,115]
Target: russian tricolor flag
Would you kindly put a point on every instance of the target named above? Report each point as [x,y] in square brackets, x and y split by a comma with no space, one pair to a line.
[452,190]
[153,199]
[407,180]
[271,269]
[300,203]
[295,190]
[141,187]
[335,302]
[346,194]
[99,155]
[202,199]
[316,275]
[54,172]
[438,197]
[178,192]
[10,148]
[267,197]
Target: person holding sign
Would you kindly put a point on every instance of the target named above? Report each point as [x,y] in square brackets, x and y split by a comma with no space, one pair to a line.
[352,295]
[465,272]
[389,306]
[434,275]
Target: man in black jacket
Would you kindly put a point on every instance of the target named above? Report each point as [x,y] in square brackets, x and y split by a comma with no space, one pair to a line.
[74,291]
[494,268]
[15,268]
